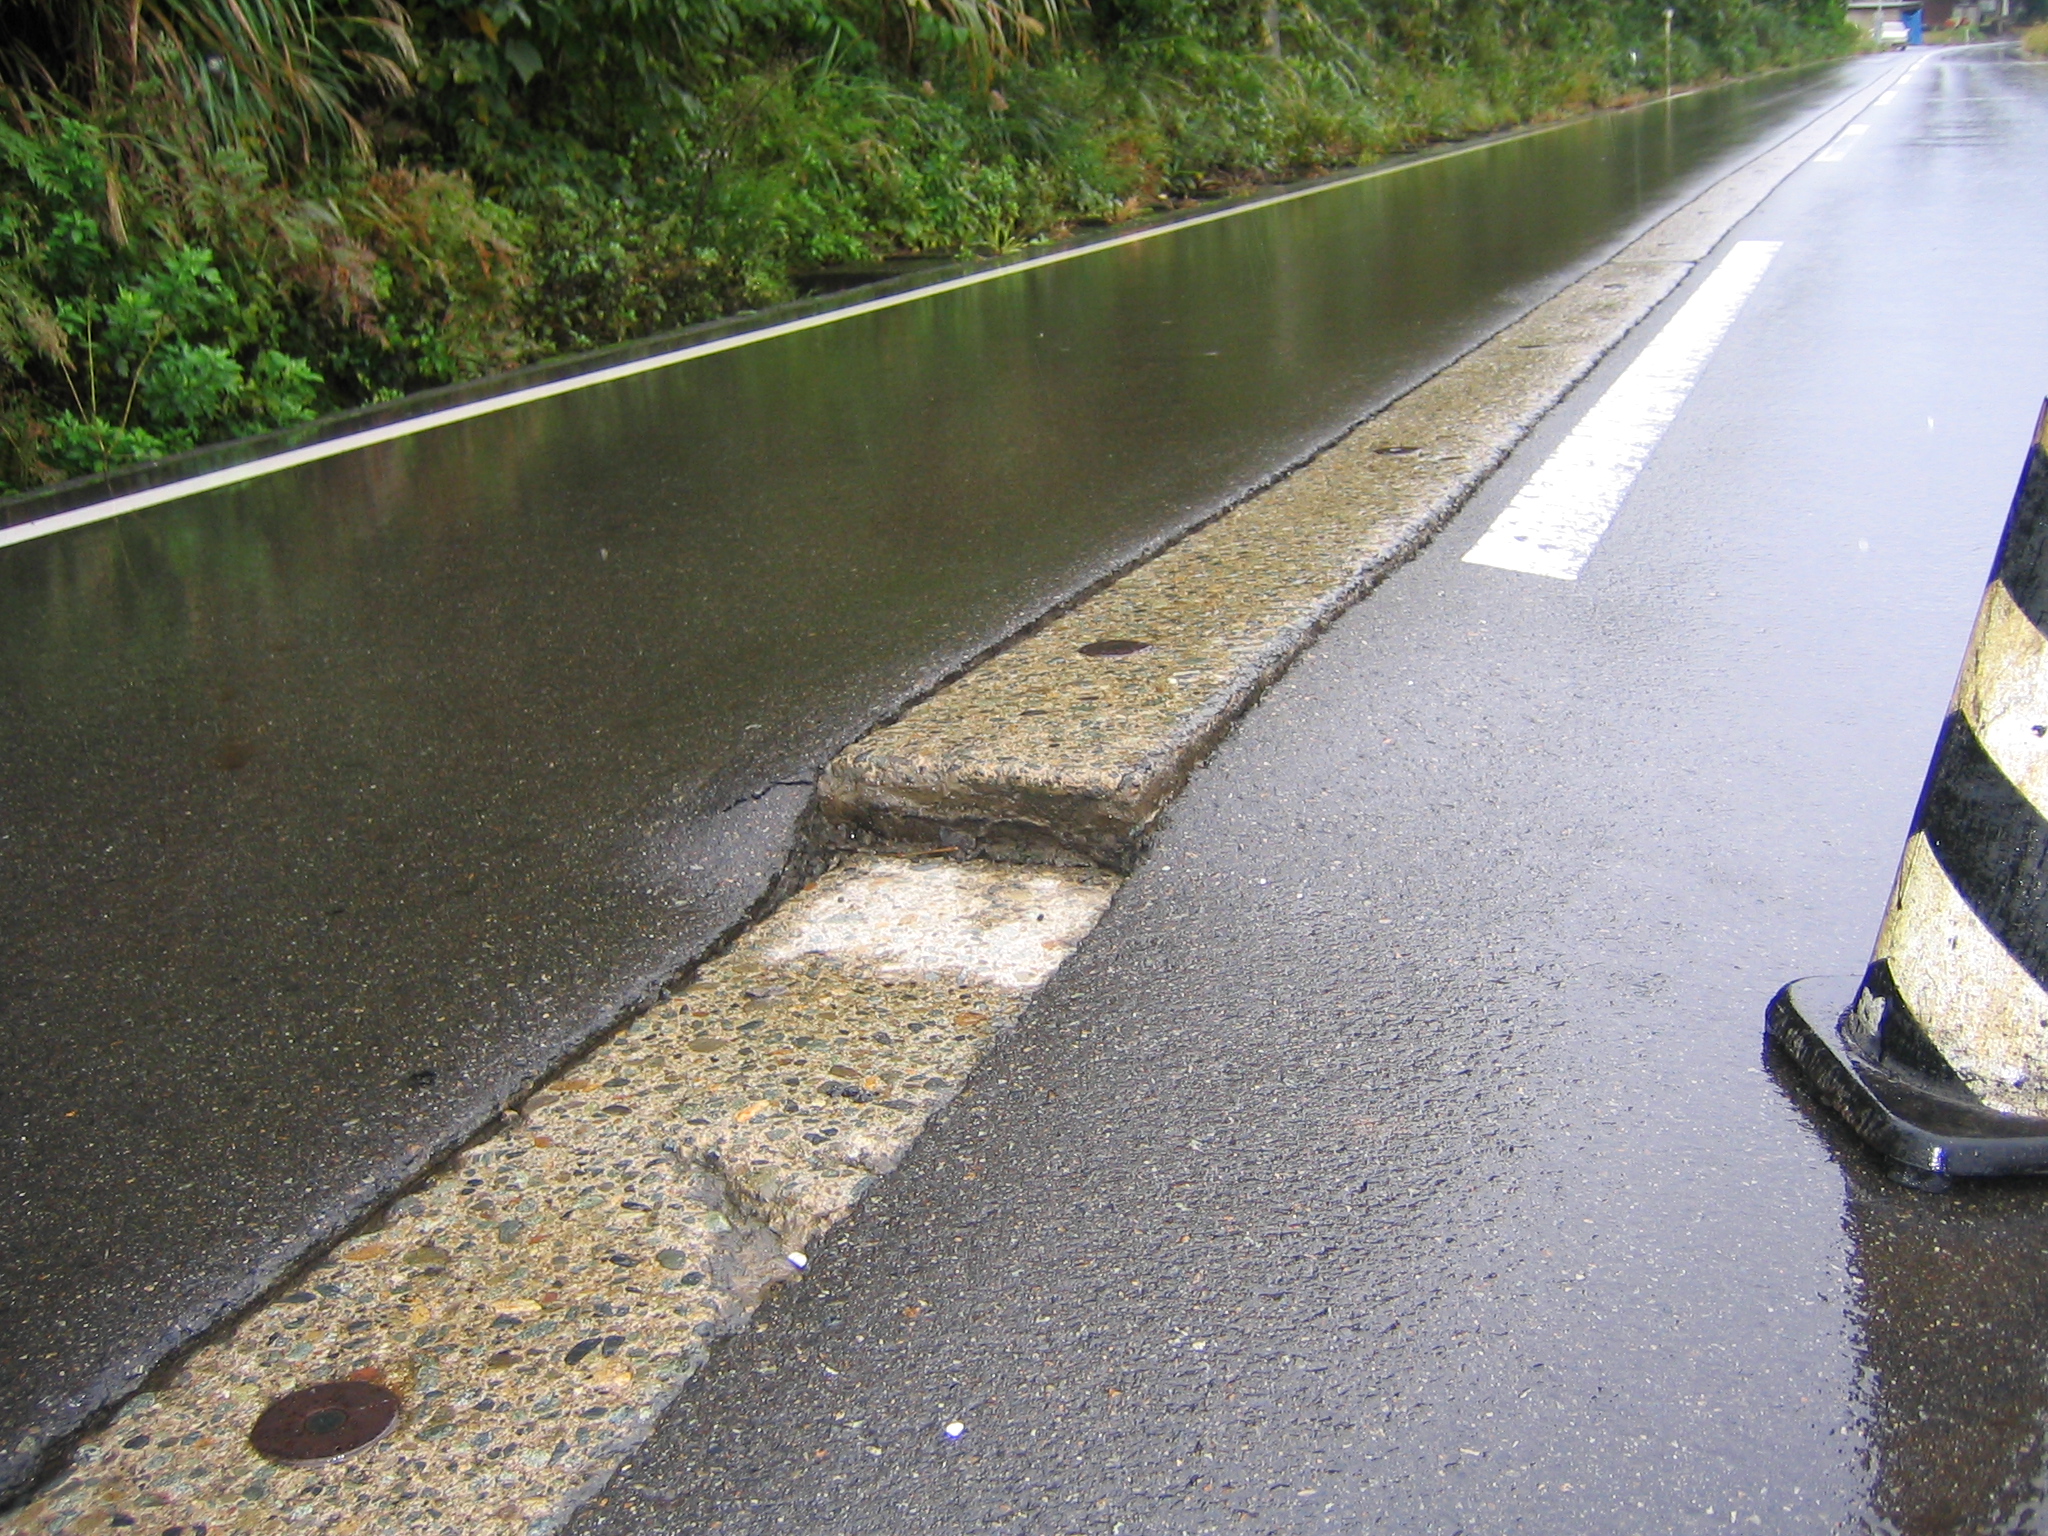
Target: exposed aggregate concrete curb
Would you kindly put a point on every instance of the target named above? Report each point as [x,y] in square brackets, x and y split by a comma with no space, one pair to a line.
[1046,752]
[541,1299]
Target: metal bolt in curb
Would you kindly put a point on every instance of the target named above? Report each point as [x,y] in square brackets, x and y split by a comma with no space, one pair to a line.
[322,1422]
[1098,648]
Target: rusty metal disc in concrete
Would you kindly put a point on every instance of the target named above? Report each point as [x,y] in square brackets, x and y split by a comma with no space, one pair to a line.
[1115,647]
[321,1422]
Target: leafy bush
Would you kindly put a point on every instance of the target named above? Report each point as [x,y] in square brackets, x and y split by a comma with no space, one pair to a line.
[155,296]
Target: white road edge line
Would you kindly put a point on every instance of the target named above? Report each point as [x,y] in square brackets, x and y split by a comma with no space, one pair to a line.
[1556,519]
[313,453]
[1843,142]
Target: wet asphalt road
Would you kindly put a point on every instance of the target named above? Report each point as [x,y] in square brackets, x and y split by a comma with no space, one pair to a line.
[336,807]
[1400,1154]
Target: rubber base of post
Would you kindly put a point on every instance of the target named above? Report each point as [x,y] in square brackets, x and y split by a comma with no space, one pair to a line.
[1920,1126]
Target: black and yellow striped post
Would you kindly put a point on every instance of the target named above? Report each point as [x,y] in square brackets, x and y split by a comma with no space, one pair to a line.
[1938,1056]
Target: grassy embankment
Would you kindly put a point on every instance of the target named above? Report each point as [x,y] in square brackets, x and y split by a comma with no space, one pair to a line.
[223,216]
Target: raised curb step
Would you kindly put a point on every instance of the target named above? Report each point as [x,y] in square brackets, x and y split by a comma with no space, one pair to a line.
[1064,747]
[541,1298]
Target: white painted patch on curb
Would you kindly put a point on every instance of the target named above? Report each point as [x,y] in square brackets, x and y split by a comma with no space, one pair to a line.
[1844,142]
[979,922]
[537,1303]
[1554,522]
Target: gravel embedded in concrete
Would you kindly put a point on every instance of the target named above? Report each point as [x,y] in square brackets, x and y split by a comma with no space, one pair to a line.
[539,1301]
[1064,747]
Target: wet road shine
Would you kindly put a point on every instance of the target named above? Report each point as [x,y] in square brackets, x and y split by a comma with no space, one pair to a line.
[336,806]
[1401,1153]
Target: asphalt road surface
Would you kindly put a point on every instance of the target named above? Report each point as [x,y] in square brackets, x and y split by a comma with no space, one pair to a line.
[1401,1153]
[337,806]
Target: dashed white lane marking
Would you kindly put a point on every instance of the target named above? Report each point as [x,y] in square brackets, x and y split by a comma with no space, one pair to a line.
[1554,522]
[1844,142]
[1887,98]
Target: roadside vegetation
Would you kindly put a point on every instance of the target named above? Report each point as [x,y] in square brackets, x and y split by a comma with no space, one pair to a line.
[2034,42]
[220,217]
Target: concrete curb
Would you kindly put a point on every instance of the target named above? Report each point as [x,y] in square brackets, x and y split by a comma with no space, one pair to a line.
[1064,747]
[540,1299]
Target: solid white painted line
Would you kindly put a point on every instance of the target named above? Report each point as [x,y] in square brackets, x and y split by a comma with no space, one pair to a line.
[1555,520]
[313,453]
[1843,142]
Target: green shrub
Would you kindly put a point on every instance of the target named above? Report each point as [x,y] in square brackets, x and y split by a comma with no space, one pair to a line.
[291,79]
[155,295]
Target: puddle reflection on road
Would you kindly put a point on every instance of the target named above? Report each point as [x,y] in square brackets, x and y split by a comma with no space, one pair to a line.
[1953,1297]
